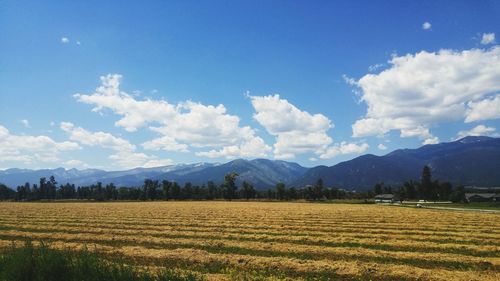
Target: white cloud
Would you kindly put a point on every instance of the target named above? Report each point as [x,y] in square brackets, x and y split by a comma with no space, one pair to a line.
[101,139]
[426,25]
[78,43]
[485,109]
[279,116]
[431,140]
[488,38]
[135,113]
[344,148]
[382,146]
[31,149]
[64,40]
[26,123]
[73,163]
[157,163]
[253,148]
[125,154]
[371,68]
[349,80]
[128,159]
[182,125]
[166,143]
[296,131]
[479,130]
[420,90]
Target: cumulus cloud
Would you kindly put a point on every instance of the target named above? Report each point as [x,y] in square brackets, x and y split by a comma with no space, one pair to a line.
[186,124]
[486,109]
[31,149]
[64,40]
[166,143]
[296,131]
[136,113]
[253,148]
[101,139]
[382,146]
[431,140]
[26,123]
[125,153]
[488,38]
[344,148]
[426,25]
[419,90]
[479,130]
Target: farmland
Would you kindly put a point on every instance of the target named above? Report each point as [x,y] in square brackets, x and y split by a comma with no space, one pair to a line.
[258,240]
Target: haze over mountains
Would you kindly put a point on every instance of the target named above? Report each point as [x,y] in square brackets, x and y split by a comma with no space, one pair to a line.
[468,161]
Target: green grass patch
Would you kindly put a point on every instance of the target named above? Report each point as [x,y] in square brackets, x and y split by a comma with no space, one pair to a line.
[30,263]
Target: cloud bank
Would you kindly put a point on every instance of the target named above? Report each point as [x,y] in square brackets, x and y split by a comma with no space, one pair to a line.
[420,90]
[181,126]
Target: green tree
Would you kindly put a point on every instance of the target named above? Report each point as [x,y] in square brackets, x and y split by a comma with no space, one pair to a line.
[458,195]
[6,193]
[187,191]
[426,183]
[292,193]
[211,190]
[24,192]
[247,190]
[52,188]
[318,189]
[230,185]
[43,192]
[166,187]
[410,190]
[280,191]
[445,190]
[176,191]
[378,188]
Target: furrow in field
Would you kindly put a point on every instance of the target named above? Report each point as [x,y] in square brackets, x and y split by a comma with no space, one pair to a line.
[484,226]
[424,259]
[334,239]
[342,269]
[282,228]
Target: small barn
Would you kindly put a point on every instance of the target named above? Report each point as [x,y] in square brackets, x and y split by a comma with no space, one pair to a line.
[482,197]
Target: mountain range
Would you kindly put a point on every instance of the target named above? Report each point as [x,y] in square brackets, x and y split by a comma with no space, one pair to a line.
[468,161]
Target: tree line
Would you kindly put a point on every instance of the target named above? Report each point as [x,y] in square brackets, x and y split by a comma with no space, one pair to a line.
[425,189]
[171,190]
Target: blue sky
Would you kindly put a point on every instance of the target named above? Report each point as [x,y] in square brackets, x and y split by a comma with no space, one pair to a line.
[315,82]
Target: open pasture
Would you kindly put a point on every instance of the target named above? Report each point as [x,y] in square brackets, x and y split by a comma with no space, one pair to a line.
[258,240]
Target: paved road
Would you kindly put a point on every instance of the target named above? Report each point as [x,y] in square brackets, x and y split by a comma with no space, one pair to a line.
[442,208]
[462,209]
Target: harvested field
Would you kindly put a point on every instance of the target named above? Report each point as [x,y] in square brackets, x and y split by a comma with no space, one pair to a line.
[257,240]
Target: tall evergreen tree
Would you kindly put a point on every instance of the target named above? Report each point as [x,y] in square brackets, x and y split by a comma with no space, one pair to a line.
[426,183]
[318,189]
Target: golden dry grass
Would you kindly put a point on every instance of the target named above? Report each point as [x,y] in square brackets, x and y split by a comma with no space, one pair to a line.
[257,240]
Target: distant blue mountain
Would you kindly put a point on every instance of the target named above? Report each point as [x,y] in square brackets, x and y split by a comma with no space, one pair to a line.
[468,161]
[262,173]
